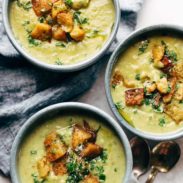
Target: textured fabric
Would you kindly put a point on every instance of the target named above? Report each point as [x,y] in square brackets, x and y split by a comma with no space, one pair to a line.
[25,89]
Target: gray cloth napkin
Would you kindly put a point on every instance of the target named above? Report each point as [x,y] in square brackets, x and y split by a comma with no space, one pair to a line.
[25,89]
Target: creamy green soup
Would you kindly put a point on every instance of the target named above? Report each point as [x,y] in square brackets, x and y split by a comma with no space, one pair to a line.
[137,67]
[108,167]
[96,20]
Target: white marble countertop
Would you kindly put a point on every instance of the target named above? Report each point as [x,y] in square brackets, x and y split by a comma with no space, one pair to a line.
[152,12]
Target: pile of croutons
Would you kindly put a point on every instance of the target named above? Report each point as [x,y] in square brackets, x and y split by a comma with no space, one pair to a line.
[83,145]
[57,20]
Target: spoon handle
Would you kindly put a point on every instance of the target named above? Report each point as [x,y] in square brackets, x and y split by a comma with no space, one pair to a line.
[152,175]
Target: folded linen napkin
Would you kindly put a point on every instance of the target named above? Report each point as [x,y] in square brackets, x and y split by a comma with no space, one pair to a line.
[25,89]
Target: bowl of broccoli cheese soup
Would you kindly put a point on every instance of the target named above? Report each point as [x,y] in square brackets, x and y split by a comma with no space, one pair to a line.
[61,35]
[144,82]
[71,142]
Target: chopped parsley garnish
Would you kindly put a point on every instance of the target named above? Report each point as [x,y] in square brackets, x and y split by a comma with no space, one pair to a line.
[25,5]
[27,22]
[104,156]
[115,170]
[171,54]
[33,152]
[93,33]
[181,102]
[119,105]
[79,19]
[162,122]
[169,89]
[114,86]
[68,2]
[41,19]
[143,46]
[36,179]
[58,62]
[147,101]
[60,44]
[33,42]
[137,77]
[163,75]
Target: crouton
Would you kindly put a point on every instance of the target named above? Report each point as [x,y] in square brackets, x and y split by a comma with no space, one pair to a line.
[91,151]
[77,33]
[134,96]
[178,70]
[59,167]
[162,85]
[158,53]
[118,78]
[42,32]
[80,136]
[174,111]
[55,148]
[150,86]
[167,64]
[58,33]
[57,8]
[90,179]
[41,7]
[156,100]
[65,19]
[168,97]
[179,92]
[78,4]
[43,168]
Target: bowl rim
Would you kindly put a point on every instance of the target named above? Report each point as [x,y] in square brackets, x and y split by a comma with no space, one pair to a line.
[64,68]
[66,106]
[112,61]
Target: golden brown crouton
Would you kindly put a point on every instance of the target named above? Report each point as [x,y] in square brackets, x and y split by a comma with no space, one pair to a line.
[77,33]
[91,151]
[80,136]
[134,96]
[178,70]
[150,86]
[168,97]
[41,7]
[65,19]
[158,53]
[167,64]
[55,148]
[78,4]
[57,8]
[58,33]
[43,167]
[174,111]
[42,32]
[162,85]
[90,179]
[118,78]
[59,167]
[179,92]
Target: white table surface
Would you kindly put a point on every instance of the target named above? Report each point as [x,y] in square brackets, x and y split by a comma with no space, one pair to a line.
[152,12]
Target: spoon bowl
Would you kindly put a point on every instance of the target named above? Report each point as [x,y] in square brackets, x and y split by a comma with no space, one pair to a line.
[141,156]
[164,157]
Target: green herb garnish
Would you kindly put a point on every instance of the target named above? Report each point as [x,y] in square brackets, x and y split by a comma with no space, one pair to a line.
[114,86]
[137,77]
[25,5]
[33,152]
[41,19]
[169,89]
[33,42]
[36,179]
[27,22]
[68,2]
[58,62]
[60,44]
[79,19]
[119,105]
[162,122]
[143,46]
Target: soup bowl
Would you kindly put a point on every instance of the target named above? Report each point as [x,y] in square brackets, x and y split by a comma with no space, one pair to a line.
[59,47]
[134,58]
[70,108]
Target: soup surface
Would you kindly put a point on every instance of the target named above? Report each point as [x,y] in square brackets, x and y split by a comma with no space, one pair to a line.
[147,85]
[62,32]
[71,149]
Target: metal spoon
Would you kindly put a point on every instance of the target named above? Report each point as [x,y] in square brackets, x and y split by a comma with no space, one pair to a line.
[164,156]
[141,157]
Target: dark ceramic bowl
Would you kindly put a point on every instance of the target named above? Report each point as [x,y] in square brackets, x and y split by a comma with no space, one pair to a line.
[64,68]
[123,46]
[69,107]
